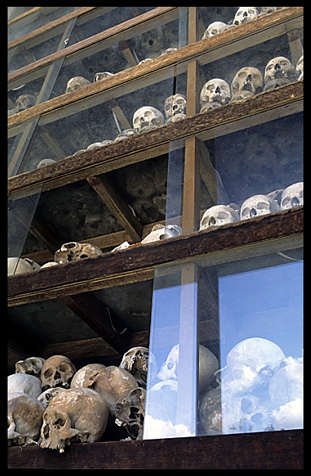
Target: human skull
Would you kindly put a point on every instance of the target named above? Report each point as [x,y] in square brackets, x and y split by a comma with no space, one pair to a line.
[175,108]
[215,90]
[21,265]
[299,69]
[49,264]
[244,15]
[125,134]
[46,396]
[31,366]
[266,10]
[214,29]
[24,383]
[100,76]
[258,205]
[292,196]
[45,162]
[75,415]
[82,374]
[139,361]
[218,215]
[247,78]
[112,383]
[74,251]
[24,419]
[161,232]
[25,101]
[57,371]
[75,83]
[210,412]
[130,412]
[97,145]
[275,83]
[240,95]
[279,68]
[208,364]
[146,118]
[209,106]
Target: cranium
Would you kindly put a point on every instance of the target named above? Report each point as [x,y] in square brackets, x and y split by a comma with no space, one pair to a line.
[57,371]
[97,145]
[299,69]
[75,415]
[279,68]
[240,95]
[215,90]
[82,374]
[112,383]
[125,134]
[24,383]
[100,76]
[214,29]
[146,118]
[46,396]
[209,106]
[247,78]
[21,265]
[210,412]
[45,162]
[161,232]
[258,205]
[25,101]
[244,15]
[74,251]
[175,108]
[75,83]
[130,413]
[208,364]
[139,361]
[24,419]
[218,215]
[31,366]
[292,196]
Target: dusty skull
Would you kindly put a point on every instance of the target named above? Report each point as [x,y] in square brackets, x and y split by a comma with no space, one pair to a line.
[75,83]
[31,366]
[292,196]
[57,371]
[279,68]
[130,413]
[100,76]
[46,396]
[82,375]
[215,90]
[244,15]
[258,205]
[25,101]
[74,251]
[208,364]
[75,415]
[45,162]
[161,232]
[21,265]
[209,106]
[112,383]
[299,69]
[175,108]
[146,118]
[24,419]
[240,95]
[125,134]
[214,28]
[218,215]
[139,361]
[24,383]
[247,78]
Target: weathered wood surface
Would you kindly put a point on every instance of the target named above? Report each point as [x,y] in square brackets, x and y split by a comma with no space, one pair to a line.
[137,263]
[267,450]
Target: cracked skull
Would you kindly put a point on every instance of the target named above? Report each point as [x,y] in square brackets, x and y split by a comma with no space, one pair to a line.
[279,68]
[175,108]
[258,205]
[146,118]
[244,15]
[139,361]
[218,215]
[75,415]
[74,251]
[75,83]
[247,79]
[215,90]
[57,371]
[292,196]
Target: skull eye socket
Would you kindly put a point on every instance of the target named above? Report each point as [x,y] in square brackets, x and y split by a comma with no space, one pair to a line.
[242,75]
[245,212]
[170,365]
[262,206]
[48,373]
[64,367]
[212,221]
[223,215]
[59,423]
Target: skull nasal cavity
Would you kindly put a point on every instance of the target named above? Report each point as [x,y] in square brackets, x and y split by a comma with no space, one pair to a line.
[253,212]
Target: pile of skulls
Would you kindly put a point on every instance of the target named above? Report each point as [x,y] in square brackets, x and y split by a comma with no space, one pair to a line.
[52,405]
[259,390]
[254,206]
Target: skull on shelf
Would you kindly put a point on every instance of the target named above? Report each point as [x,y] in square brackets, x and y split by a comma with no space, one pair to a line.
[21,265]
[100,76]
[244,15]
[130,412]
[49,264]
[258,205]
[45,162]
[209,106]
[161,232]
[25,101]
[240,95]
[46,396]
[81,375]
[292,196]
[57,371]
[279,68]
[247,79]
[215,90]
[75,83]
[218,215]
[266,10]
[139,361]
[175,108]
[74,251]
[146,118]
[210,412]
[75,415]
[214,29]
[275,83]
[30,366]
[24,419]
[125,134]
[299,69]
[24,383]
